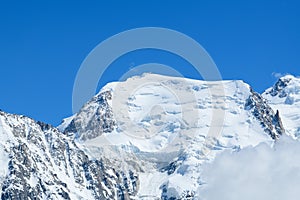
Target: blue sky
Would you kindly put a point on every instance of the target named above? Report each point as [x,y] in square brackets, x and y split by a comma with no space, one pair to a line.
[43,44]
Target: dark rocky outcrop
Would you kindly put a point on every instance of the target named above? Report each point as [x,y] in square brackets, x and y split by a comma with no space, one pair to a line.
[263,112]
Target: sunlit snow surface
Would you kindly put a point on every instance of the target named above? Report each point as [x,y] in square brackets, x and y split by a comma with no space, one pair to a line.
[287,101]
[162,119]
[167,131]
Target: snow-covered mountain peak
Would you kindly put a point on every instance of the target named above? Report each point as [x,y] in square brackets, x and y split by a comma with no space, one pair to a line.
[284,90]
[144,138]
[285,97]
[164,128]
[155,113]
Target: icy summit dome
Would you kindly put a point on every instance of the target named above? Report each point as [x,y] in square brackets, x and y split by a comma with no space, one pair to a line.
[152,112]
[288,76]
[168,127]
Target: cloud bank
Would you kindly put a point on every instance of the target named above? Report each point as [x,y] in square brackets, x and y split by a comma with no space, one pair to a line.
[257,173]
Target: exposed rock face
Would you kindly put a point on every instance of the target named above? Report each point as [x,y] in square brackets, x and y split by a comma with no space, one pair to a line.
[94,118]
[278,88]
[42,163]
[263,112]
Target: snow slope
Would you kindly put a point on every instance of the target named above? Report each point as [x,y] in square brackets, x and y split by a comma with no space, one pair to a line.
[164,128]
[144,138]
[39,162]
[285,97]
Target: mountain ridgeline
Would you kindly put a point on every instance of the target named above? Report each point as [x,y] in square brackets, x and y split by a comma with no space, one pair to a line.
[98,154]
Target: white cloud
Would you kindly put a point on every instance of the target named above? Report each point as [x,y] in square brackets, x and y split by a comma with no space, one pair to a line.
[278,74]
[258,173]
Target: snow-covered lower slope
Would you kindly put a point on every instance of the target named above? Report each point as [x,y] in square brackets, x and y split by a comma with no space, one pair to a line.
[164,128]
[285,97]
[39,162]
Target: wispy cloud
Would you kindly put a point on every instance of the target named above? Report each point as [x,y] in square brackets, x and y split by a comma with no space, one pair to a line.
[278,74]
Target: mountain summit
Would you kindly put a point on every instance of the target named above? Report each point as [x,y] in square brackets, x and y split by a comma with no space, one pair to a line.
[285,97]
[144,138]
